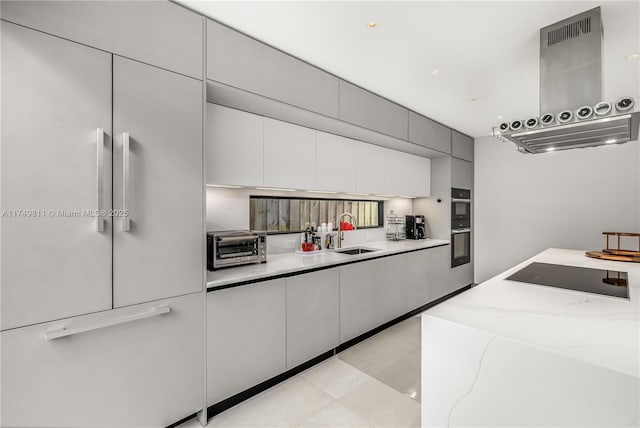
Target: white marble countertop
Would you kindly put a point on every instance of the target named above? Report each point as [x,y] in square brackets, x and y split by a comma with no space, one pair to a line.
[280,264]
[510,353]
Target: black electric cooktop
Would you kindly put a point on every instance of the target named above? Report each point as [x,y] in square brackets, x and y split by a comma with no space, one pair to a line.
[597,281]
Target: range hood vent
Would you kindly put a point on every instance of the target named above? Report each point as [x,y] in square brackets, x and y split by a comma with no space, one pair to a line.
[572,113]
[569,31]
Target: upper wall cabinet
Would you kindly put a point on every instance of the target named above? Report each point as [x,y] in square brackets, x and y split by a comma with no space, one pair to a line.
[427,133]
[408,175]
[160,33]
[461,174]
[363,108]
[289,155]
[243,62]
[461,146]
[335,163]
[371,168]
[234,147]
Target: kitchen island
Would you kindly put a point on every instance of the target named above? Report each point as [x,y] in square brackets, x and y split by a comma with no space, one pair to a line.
[509,353]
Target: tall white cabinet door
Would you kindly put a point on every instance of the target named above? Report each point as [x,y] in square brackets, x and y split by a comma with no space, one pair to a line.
[371,168]
[160,255]
[144,372]
[234,146]
[313,300]
[289,155]
[56,94]
[336,163]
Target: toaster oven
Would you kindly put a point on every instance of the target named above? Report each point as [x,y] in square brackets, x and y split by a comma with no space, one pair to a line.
[235,248]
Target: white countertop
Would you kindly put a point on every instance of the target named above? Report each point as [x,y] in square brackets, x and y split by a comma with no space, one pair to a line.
[510,353]
[280,264]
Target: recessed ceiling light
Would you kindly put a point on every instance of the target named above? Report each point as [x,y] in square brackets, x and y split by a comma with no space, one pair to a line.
[474,99]
[372,25]
[632,56]
[499,117]
[550,149]
[435,72]
[610,141]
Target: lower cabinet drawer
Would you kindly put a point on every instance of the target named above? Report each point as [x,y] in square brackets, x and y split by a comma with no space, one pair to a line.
[137,366]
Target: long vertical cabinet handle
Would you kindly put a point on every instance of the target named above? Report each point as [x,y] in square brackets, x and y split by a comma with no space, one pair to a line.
[126,221]
[100,177]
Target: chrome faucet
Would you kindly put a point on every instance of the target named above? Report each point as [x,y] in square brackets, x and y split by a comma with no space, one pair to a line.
[354,222]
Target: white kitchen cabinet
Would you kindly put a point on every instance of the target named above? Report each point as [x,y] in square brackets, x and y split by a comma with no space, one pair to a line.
[363,108]
[160,33]
[56,95]
[461,146]
[313,302]
[246,338]
[407,174]
[137,372]
[289,155]
[461,174]
[392,285]
[371,169]
[440,272]
[418,272]
[358,299]
[160,255]
[427,133]
[461,276]
[243,62]
[234,147]
[335,163]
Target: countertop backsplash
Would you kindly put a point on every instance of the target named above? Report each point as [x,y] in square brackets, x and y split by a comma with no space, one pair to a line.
[228,209]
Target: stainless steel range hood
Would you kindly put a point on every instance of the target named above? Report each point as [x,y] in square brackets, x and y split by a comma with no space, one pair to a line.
[572,113]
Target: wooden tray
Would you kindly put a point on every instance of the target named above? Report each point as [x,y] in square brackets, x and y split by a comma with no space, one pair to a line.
[614,257]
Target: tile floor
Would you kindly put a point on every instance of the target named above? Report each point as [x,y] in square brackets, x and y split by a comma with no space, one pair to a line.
[375,383]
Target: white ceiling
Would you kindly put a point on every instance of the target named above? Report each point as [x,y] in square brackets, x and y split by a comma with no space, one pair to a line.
[484,50]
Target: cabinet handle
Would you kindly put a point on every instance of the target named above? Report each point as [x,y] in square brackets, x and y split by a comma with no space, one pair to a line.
[100,177]
[126,221]
[62,332]
[456,231]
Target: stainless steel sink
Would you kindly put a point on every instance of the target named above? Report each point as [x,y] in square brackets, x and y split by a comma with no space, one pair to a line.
[355,251]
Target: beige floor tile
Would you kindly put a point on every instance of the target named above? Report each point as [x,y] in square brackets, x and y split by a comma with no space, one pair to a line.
[380,405]
[409,329]
[285,405]
[404,375]
[335,377]
[334,416]
[383,349]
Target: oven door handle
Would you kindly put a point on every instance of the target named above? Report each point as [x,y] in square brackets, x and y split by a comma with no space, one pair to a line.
[237,238]
[460,200]
[457,231]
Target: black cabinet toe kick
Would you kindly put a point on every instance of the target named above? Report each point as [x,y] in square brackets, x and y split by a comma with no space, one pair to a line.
[234,400]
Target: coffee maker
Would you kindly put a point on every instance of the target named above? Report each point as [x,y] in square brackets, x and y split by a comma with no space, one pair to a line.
[415,227]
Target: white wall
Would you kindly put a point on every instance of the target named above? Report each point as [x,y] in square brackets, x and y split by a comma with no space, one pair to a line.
[527,203]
